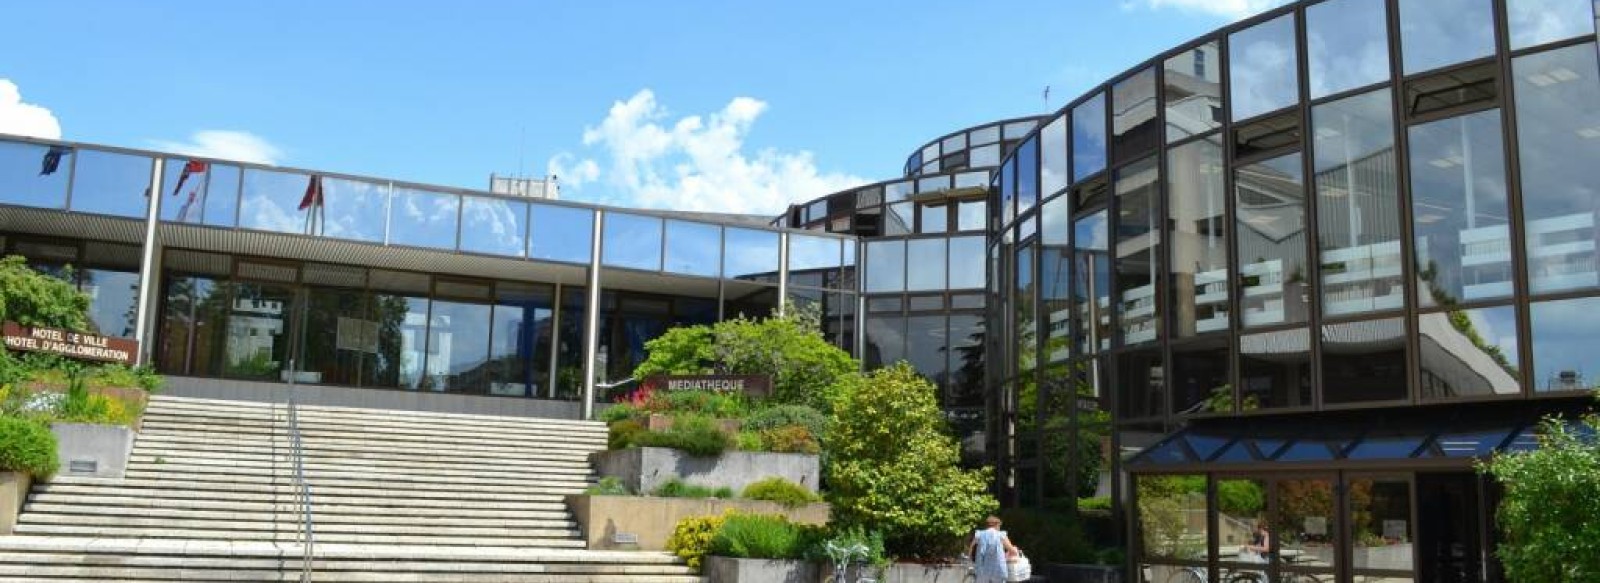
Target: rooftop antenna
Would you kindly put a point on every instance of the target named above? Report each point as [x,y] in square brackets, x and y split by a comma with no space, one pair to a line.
[1047,98]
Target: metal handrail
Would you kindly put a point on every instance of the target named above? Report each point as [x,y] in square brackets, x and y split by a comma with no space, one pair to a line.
[305,530]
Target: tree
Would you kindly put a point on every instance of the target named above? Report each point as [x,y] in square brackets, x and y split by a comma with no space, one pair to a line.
[893,468]
[1550,514]
[31,298]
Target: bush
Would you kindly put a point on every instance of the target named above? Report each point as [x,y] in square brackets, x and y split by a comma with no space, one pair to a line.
[618,412]
[31,298]
[691,538]
[760,536]
[621,434]
[1547,516]
[785,416]
[676,488]
[1049,536]
[714,404]
[791,439]
[116,375]
[781,491]
[1095,503]
[788,348]
[608,486]
[693,435]
[749,441]
[27,446]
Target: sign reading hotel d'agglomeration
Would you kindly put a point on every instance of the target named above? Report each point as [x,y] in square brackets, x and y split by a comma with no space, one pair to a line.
[70,344]
[750,384]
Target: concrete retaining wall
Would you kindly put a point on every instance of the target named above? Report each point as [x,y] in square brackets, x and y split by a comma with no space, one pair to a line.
[642,469]
[731,570]
[648,521]
[13,492]
[101,451]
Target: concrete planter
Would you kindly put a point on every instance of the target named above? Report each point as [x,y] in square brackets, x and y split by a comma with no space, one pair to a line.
[731,570]
[101,451]
[659,422]
[642,469]
[13,492]
[644,522]
[918,573]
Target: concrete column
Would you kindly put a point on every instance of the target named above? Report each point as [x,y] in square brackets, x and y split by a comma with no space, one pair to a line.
[591,318]
[149,268]
[783,272]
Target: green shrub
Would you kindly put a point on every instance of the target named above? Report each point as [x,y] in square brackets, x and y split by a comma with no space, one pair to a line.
[608,486]
[618,412]
[31,298]
[1548,514]
[694,435]
[790,439]
[621,434]
[787,415]
[1095,503]
[27,446]
[789,348]
[760,536]
[677,488]
[711,403]
[781,491]
[691,538]
[749,441]
[116,375]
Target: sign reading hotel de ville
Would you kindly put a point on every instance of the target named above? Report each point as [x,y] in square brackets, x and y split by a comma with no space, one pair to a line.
[70,344]
[750,384]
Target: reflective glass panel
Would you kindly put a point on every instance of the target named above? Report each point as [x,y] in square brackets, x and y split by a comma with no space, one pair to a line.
[966,263]
[354,210]
[1172,521]
[1196,203]
[811,255]
[1053,157]
[423,219]
[1027,175]
[631,241]
[1089,137]
[1380,523]
[971,214]
[34,175]
[1564,355]
[339,341]
[1022,303]
[926,345]
[886,340]
[1270,204]
[1303,524]
[112,297]
[1558,131]
[458,348]
[886,266]
[1091,282]
[751,255]
[1055,224]
[1436,33]
[209,194]
[1138,251]
[494,225]
[692,248]
[1133,116]
[1535,22]
[966,361]
[1364,361]
[984,156]
[1358,205]
[935,218]
[1347,45]
[257,338]
[1262,61]
[1054,269]
[928,255]
[899,218]
[109,183]
[1469,353]
[1142,384]
[984,135]
[898,191]
[1458,210]
[271,202]
[519,354]
[1200,377]
[1193,81]
[1275,370]
[1246,507]
[560,233]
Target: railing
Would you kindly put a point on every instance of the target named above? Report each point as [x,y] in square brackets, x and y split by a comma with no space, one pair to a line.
[305,531]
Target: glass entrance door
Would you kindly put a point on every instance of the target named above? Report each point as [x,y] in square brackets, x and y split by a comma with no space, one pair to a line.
[1449,540]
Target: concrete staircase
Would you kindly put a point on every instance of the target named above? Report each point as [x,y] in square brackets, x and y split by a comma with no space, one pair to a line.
[398,496]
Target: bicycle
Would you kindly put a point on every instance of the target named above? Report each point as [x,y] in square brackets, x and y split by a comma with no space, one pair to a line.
[842,557]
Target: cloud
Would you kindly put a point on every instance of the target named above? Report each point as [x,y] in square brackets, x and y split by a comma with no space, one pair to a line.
[25,119]
[1232,9]
[224,144]
[640,156]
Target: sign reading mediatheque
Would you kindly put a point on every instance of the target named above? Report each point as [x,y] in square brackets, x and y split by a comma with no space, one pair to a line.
[750,384]
[70,344]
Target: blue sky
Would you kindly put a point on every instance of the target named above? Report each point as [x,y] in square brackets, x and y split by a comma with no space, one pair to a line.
[718,105]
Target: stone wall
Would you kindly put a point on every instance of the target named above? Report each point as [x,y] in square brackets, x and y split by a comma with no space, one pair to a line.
[642,469]
[648,521]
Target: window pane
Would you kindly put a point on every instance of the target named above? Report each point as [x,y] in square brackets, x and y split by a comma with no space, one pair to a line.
[560,233]
[458,348]
[1262,61]
[886,266]
[1089,137]
[1196,203]
[1380,526]
[112,295]
[209,194]
[1364,361]
[258,333]
[32,175]
[971,214]
[1347,45]
[926,346]
[495,226]
[692,248]
[1535,22]
[1558,131]
[810,255]
[1142,383]
[1133,115]
[271,202]
[886,340]
[423,219]
[897,218]
[1436,33]
[1468,353]
[111,184]
[340,342]
[1027,175]
[1054,270]
[750,255]
[1138,251]
[1564,358]
[1303,524]
[985,156]
[1271,209]
[966,361]
[1458,206]
[966,263]
[1275,370]
[1026,333]
[354,210]
[1200,377]
[1172,522]
[984,135]
[928,255]
[1194,91]
[898,191]
[935,218]
[1358,205]
[1091,282]
[520,353]
[631,241]
[1053,157]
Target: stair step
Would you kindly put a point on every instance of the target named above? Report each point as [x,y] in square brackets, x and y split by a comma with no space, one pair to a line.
[380,422]
[169,402]
[439,438]
[79,504]
[286,533]
[153,442]
[126,522]
[37,513]
[247,490]
[182,461]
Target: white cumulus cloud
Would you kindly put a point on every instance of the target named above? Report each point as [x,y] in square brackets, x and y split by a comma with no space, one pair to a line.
[25,119]
[1234,9]
[224,144]
[639,155]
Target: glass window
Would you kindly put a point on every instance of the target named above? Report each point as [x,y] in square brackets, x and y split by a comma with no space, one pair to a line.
[33,175]
[423,219]
[560,233]
[1245,507]
[1262,64]
[631,241]
[112,297]
[1275,370]
[750,255]
[1196,203]
[353,210]
[1172,522]
[886,340]
[199,192]
[971,214]
[495,226]
[1133,115]
[692,248]
[935,218]
[1304,528]
[926,344]
[1271,210]
[458,348]
[1469,353]
[1364,361]
[1536,22]
[898,191]
[340,343]
[1027,175]
[1458,210]
[966,361]
[1023,295]
[1436,33]
[1380,526]
[984,135]
[1347,45]
[257,345]
[1358,205]
[1558,131]
[1142,384]
[1007,180]
[1194,91]
[1091,282]
[519,353]
[1053,157]
[1015,130]
[886,266]
[272,201]
[1054,268]
[928,255]
[809,255]
[1564,358]
[966,263]
[1200,377]
[1138,251]
[1089,137]
[984,156]
[955,142]
[899,218]
[109,183]
[933,184]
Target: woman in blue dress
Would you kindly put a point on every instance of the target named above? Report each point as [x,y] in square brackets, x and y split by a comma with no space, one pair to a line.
[989,550]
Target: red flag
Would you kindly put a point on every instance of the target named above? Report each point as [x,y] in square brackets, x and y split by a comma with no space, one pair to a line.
[313,193]
[193,167]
